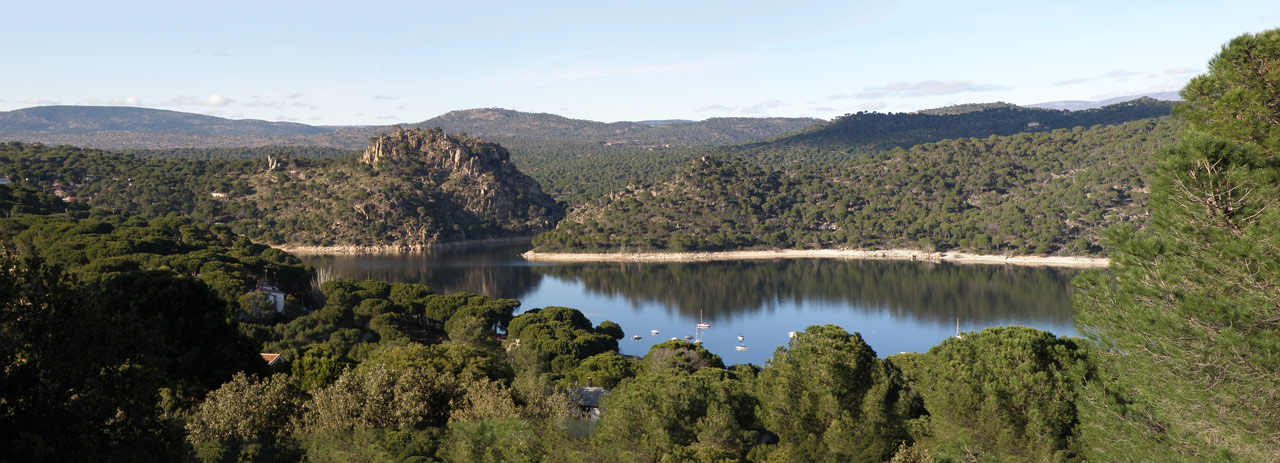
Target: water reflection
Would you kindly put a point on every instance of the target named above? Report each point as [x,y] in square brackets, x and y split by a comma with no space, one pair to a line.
[933,292]
[897,306]
[494,271]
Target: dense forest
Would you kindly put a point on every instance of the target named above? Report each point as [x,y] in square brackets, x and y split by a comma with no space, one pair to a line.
[1042,193]
[126,335]
[394,371]
[574,160]
[427,188]
[862,133]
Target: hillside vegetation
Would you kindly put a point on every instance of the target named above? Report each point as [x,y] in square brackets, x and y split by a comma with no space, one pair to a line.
[408,189]
[861,133]
[1044,193]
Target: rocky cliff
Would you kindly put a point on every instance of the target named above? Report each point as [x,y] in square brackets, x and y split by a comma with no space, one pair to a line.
[410,189]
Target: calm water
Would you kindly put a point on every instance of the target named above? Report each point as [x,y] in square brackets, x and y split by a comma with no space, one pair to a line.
[897,306]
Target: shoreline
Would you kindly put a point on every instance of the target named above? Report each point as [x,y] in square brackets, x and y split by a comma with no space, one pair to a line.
[350,250]
[847,254]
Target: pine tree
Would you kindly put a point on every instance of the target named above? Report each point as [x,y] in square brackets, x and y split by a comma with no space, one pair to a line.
[1190,310]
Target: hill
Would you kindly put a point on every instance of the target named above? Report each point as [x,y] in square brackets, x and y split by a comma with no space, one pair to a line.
[862,133]
[408,189]
[91,119]
[1078,105]
[118,127]
[112,127]
[1043,193]
[576,179]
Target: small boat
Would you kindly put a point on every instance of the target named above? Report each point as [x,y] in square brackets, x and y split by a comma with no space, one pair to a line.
[958,335]
[703,326]
[697,341]
[636,337]
[687,337]
[741,338]
[653,332]
[741,348]
[673,338]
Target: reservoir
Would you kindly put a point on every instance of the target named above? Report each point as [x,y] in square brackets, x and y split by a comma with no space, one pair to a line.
[897,306]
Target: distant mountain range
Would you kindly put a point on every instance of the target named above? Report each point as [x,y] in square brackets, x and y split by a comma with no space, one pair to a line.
[1078,105]
[863,133]
[111,127]
[84,120]
[114,127]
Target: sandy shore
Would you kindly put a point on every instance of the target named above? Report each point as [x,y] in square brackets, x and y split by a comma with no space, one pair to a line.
[393,249]
[892,254]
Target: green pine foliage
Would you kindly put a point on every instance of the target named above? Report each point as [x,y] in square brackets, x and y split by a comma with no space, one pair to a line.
[1188,310]
[430,188]
[1046,193]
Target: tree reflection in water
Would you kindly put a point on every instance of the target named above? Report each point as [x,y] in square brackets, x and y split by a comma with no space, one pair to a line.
[933,292]
[937,293]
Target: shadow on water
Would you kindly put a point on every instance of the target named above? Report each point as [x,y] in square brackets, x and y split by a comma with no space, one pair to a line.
[927,292]
[494,271]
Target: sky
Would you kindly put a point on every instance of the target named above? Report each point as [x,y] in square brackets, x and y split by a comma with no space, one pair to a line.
[381,62]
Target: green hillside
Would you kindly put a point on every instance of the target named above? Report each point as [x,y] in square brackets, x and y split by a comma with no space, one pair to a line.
[1045,193]
[408,189]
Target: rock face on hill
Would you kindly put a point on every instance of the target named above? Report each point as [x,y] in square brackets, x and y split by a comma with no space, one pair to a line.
[411,189]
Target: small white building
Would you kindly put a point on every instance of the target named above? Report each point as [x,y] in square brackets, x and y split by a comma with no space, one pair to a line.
[276,296]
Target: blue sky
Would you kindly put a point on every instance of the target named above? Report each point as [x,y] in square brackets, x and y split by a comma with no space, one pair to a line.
[376,62]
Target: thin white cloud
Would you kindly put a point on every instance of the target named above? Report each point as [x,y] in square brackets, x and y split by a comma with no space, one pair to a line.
[221,52]
[1182,70]
[385,97]
[925,88]
[211,100]
[756,108]
[873,105]
[386,117]
[295,95]
[761,106]
[598,69]
[258,102]
[1078,80]
[1118,75]
[41,101]
[128,101]
[823,109]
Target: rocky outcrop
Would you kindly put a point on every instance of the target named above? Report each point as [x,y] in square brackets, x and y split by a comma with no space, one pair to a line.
[413,189]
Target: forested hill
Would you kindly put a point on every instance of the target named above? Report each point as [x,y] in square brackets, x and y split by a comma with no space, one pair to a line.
[142,128]
[408,188]
[579,173]
[861,133]
[506,125]
[111,127]
[1042,193]
[90,119]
